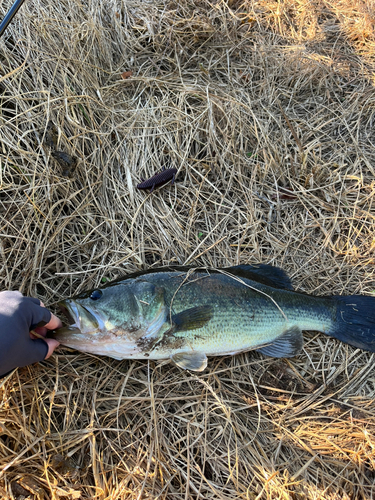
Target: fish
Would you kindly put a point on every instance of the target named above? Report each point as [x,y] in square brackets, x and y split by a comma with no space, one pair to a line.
[188,314]
[158,179]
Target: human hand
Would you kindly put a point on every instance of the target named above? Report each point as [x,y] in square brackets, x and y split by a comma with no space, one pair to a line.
[18,316]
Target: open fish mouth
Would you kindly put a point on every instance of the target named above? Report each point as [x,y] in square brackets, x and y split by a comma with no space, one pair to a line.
[78,316]
[82,323]
[66,313]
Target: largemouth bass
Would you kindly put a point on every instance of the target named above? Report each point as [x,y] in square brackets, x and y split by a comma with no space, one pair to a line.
[188,314]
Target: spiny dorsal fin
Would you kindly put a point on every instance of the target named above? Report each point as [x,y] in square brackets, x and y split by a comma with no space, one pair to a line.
[195,361]
[191,319]
[289,344]
[263,273]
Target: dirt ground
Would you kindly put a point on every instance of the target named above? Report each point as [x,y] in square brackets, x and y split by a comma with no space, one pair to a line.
[266,109]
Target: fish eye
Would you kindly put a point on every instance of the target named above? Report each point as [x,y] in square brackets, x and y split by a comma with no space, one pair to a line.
[96,294]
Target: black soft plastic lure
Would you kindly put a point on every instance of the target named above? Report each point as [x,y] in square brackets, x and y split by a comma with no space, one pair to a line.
[51,135]
[158,179]
[67,162]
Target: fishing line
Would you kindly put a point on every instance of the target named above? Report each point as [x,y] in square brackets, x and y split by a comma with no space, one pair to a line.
[9,16]
[253,288]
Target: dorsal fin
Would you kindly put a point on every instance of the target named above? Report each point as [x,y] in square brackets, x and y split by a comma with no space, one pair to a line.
[263,273]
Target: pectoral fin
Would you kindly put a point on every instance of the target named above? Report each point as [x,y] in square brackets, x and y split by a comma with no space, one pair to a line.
[191,319]
[289,344]
[195,361]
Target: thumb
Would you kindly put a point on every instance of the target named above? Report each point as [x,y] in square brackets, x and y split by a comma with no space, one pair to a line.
[53,323]
[52,344]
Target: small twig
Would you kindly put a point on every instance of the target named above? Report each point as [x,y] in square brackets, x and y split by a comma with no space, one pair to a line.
[294,133]
[37,335]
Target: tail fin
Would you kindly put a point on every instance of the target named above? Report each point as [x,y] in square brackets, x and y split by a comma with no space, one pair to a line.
[355,321]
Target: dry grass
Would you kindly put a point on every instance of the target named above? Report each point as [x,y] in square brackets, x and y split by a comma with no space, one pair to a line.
[244,98]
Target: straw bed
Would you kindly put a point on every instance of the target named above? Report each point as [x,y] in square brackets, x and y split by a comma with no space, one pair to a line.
[266,109]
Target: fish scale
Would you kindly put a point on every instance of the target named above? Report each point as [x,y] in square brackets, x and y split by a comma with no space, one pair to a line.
[244,318]
[187,315]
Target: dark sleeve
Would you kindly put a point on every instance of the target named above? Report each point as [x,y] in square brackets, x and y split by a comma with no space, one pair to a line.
[19,315]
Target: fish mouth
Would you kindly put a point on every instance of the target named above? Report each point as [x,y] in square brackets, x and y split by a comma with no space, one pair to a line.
[78,316]
[66,313]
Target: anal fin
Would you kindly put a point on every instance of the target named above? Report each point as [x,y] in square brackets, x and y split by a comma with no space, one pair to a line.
[195,361]
[289,344]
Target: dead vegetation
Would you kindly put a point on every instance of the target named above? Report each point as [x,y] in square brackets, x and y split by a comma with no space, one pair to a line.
[266,109]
